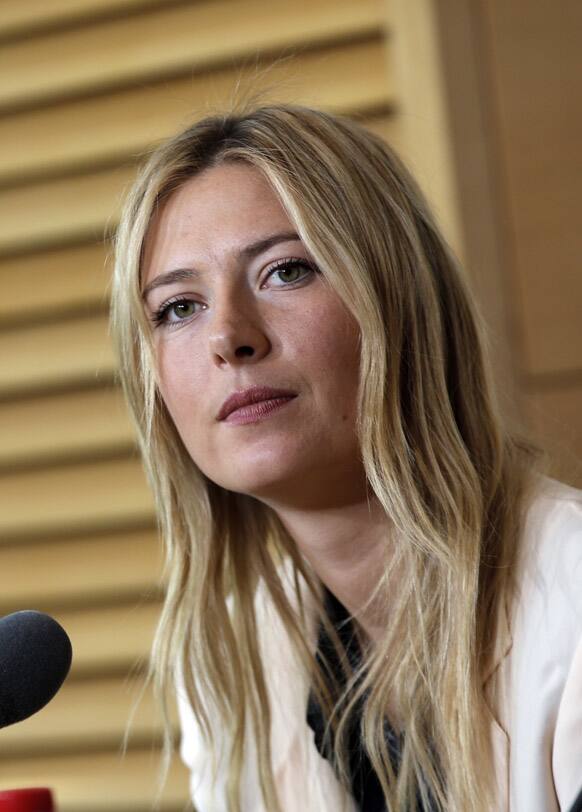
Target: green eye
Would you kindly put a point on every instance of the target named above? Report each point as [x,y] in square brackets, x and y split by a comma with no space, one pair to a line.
[289,271]
[293,271]
[172,312]
[183,310]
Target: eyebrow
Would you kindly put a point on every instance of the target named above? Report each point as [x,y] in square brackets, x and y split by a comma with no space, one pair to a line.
[248,252]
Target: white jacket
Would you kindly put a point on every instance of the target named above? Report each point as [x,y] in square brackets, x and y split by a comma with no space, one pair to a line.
[536,680]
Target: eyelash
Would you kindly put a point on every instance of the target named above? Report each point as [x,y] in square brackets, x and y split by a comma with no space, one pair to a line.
[159,317]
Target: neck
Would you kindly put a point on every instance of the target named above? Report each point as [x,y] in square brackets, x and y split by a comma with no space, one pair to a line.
[346,546]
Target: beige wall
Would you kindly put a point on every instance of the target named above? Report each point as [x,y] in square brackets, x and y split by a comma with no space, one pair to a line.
[538,115]
[513,73]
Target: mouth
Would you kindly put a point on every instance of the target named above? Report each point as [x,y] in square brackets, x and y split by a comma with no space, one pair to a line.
[253,412]
[249,397]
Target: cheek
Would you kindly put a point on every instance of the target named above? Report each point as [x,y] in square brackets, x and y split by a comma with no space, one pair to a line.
[180,381]
[329,346]
[337,338]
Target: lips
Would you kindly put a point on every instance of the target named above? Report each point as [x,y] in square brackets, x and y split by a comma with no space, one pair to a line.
[255,394]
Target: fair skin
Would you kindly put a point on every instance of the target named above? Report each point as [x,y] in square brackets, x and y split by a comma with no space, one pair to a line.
[225,323]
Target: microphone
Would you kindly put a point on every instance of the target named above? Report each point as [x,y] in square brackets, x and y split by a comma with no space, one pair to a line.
[35,657]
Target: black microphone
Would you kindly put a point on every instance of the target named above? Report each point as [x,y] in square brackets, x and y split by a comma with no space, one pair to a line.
[35,657]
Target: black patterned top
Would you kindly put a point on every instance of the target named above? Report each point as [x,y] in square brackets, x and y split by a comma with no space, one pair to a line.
[366,788]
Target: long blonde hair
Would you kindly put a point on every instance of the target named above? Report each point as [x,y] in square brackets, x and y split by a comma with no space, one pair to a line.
[439,456]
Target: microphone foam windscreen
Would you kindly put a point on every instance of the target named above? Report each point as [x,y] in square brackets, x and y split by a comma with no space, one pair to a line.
[35,657]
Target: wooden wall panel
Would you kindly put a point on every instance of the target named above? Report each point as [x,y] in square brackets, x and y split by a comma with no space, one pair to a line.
[64,281]
[74,207]
[27,16]
[55,355]
[97,194]
[82,569]
[88,714]
[539,129]
[549,287]
[110,639]
[514,80]
[118,125]
[427,149]
[56,427]
[195,35]
[539,126]
[464,83]
[99,782]
[78,497]
[555,413]
[69,208]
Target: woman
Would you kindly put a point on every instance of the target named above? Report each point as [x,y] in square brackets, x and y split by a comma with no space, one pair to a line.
[372,597]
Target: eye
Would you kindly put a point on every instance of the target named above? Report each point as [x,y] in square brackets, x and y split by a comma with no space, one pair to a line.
[290,271]
[174,311]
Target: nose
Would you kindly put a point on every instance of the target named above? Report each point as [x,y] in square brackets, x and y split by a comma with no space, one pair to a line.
[237,335]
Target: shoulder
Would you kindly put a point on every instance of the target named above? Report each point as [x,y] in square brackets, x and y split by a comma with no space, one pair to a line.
[551,547]
[548,605]
[554,508]
[544,669]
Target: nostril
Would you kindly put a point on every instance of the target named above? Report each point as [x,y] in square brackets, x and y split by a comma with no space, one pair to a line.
[244,351]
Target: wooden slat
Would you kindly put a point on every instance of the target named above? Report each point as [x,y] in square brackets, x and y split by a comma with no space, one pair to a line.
[108,639]
[65,209]
[92,569]
[74,498]
[120,124]
[56,355]
[70,208]
[87,714]
[27,16]
[91,422]
[100,782]
[194,35]
[60,282]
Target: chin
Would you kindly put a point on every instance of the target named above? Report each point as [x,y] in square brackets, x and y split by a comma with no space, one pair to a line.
[265,487]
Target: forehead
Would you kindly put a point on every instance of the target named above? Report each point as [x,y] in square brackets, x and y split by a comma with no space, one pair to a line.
[218,210]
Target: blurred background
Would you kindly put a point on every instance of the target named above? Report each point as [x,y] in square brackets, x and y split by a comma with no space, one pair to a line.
[481,98]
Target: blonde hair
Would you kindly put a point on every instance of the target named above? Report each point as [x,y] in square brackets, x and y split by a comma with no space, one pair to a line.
[438,455]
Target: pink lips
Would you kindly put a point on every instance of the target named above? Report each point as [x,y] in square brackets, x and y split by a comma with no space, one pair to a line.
[253,403]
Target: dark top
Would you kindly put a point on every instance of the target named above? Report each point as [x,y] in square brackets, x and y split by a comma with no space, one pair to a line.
[366,787]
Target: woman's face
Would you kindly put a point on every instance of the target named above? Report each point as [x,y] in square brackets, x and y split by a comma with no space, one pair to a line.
[236,303]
